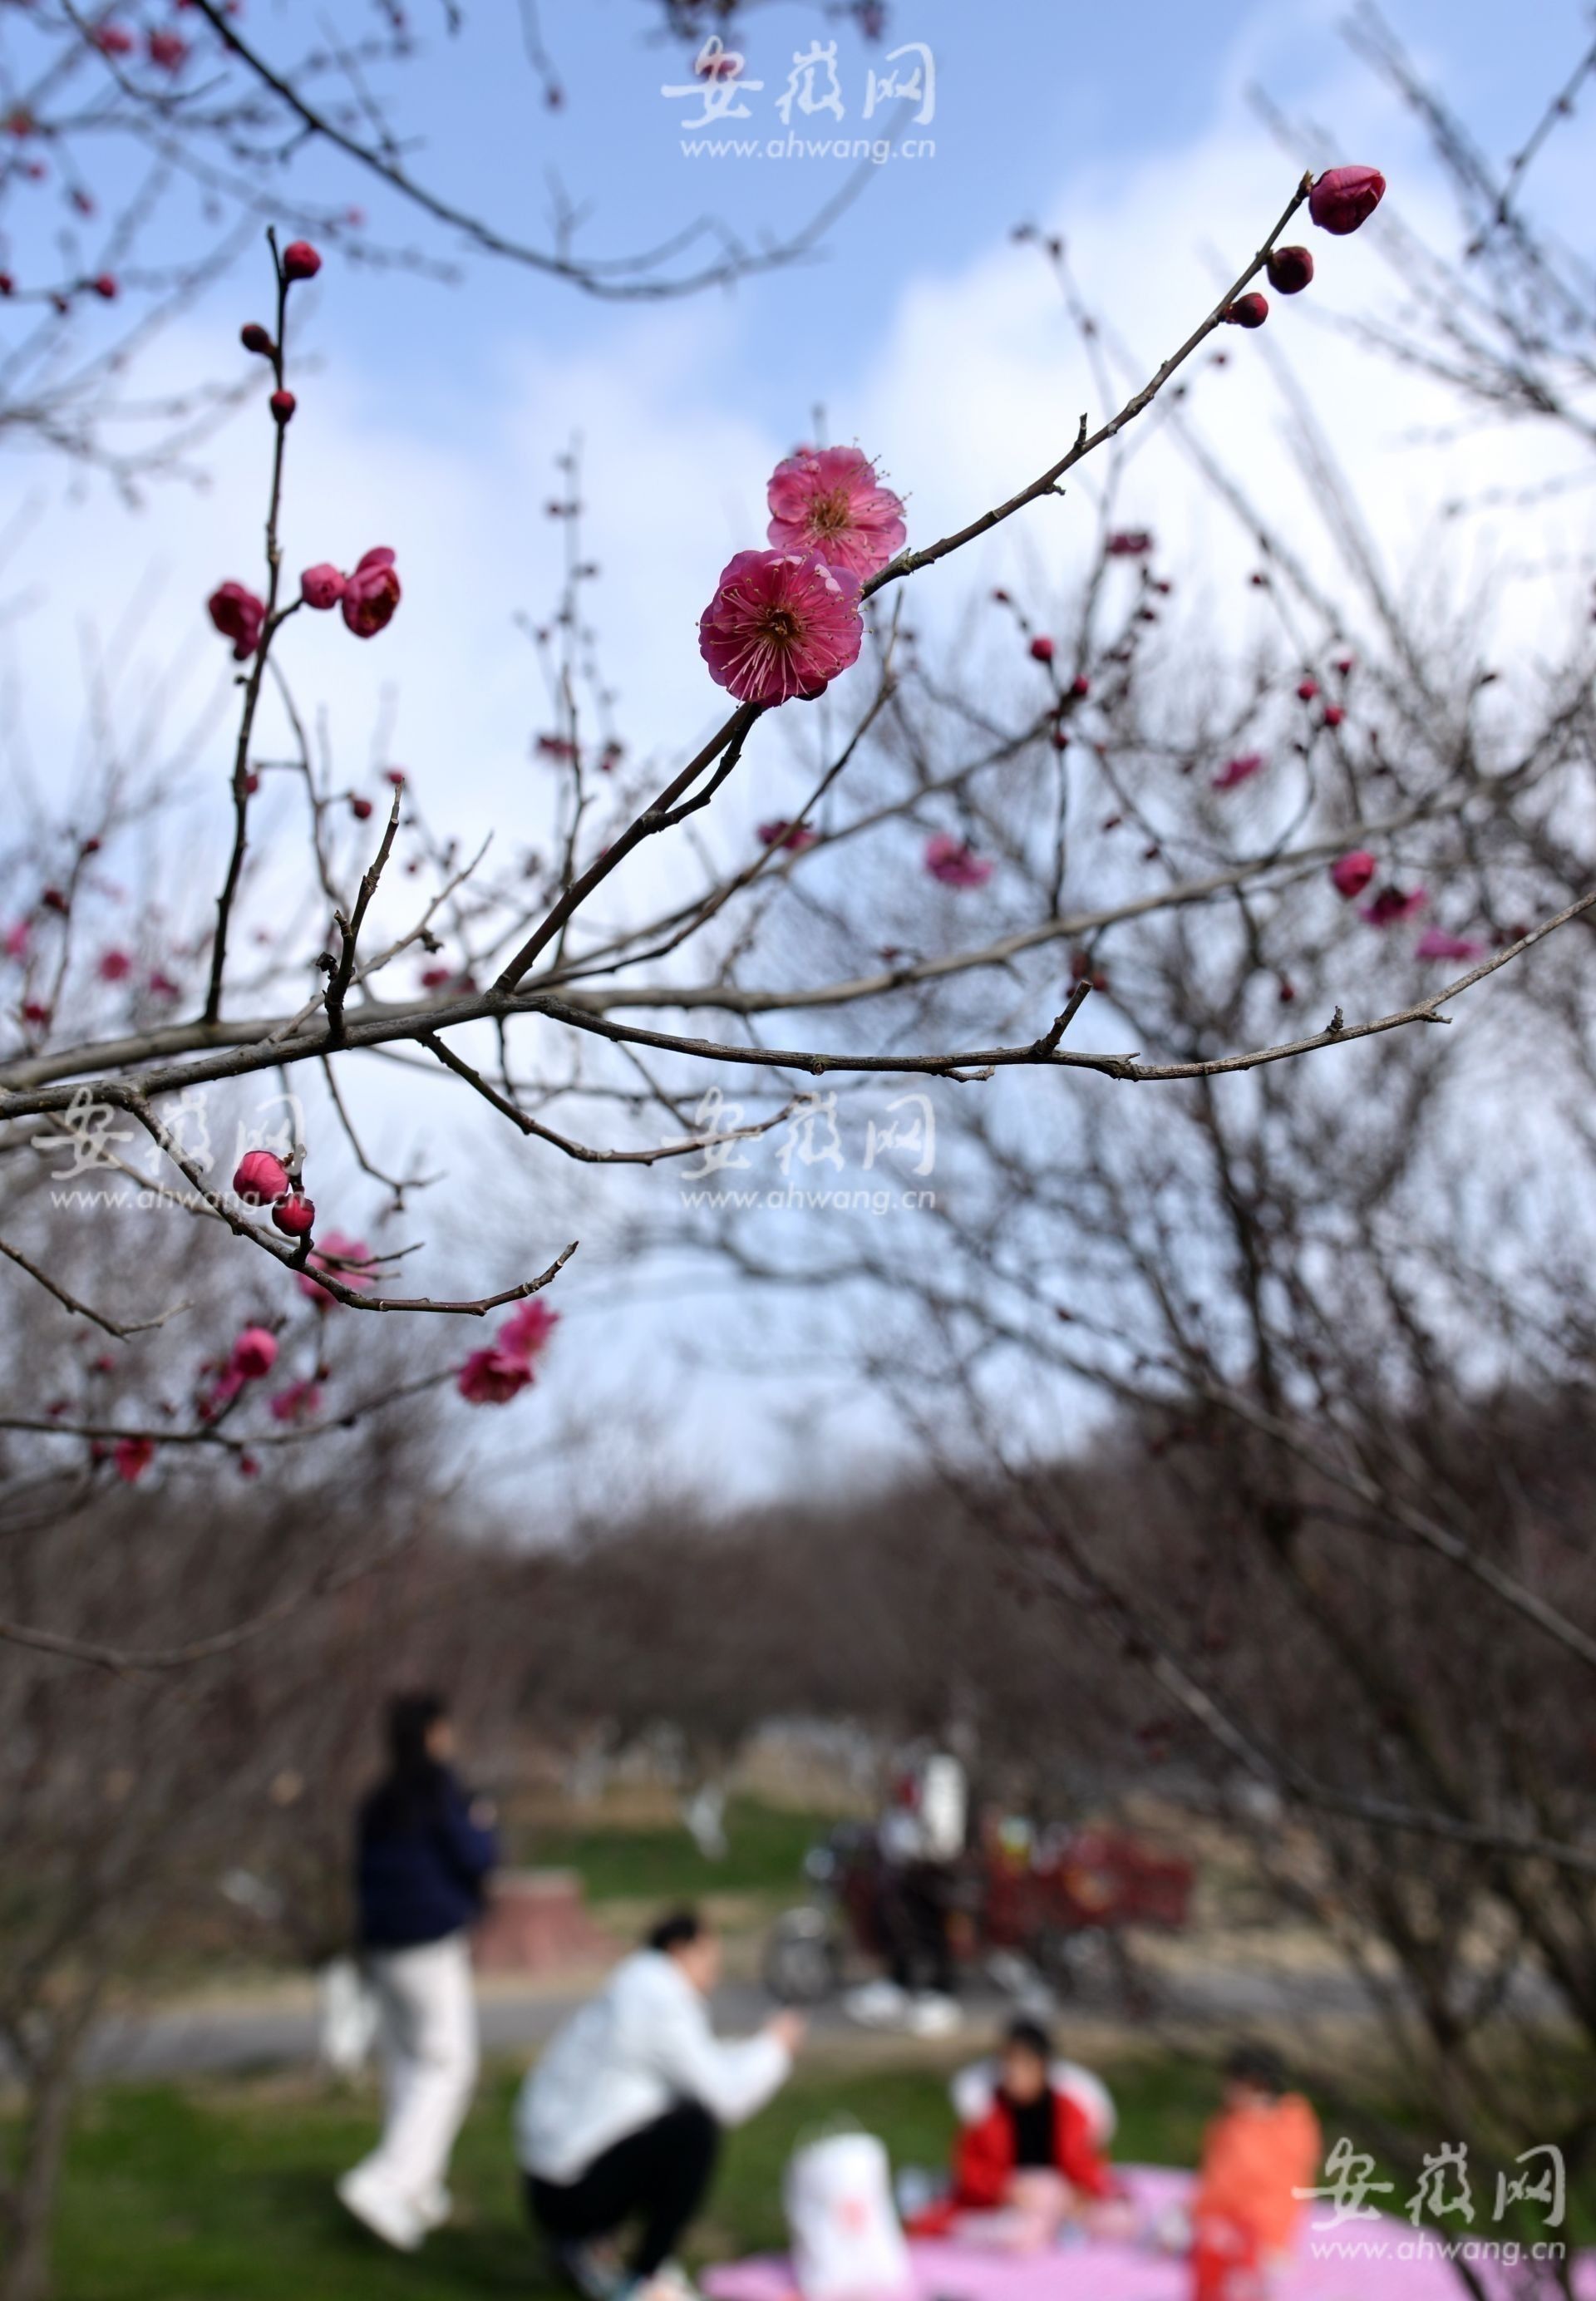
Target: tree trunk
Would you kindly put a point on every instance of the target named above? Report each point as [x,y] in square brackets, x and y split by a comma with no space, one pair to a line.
[41,2152]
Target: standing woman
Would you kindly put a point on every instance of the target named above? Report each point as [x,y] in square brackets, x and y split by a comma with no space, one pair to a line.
[424,1857]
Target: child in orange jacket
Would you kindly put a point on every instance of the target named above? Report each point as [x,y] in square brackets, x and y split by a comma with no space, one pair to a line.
[1263,2148]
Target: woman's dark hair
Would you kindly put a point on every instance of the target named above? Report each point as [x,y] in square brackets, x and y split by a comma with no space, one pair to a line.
[676,1928]
[1031,2038]
[412,1789]
[1259,2067]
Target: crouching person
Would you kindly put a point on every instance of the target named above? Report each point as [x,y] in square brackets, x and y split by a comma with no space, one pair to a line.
[620,2121]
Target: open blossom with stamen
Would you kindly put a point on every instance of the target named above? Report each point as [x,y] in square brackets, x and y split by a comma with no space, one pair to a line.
[781,624]
[829,500]
[495,1375]
[954,862]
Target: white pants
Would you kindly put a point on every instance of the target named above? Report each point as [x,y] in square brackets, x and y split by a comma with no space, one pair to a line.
[429,2065]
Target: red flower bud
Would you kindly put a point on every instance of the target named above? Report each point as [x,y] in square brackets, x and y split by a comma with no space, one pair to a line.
[254,1354]
[112,40]
[255,338]
[238,616]
[106,286]
[1306,689]
[1081,684]
[1351,874]
[360,808]
[300,260]
[1247,312]
[8,286]
[283,404]
[260,1178]
[1345,198]
[1042,647]
[321,586]
[1334,715]
[167,50]
[1289,271]
[295,1215]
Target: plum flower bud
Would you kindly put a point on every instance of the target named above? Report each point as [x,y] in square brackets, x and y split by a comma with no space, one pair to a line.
[1334,715]
[112,40]
[1247,312]
[1237,771]
[167,50]
[955,863]
[254,1354]
[1290,269]
[1042,649]
[360,808]
[238,616]
[1306,689]
[132,1458]
[105,287]
[1435,943]
[255,338]
[260,1178]
[793,836]
[1345,198]
[282,405]
[1081,685]
[321,586]
[300,260]
[294,1216]
[371,593]
[1351,874]
[115,966]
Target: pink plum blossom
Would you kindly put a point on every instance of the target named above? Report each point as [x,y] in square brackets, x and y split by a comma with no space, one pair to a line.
[1435,943]
[16,940]
[321,586]
[238,616]
[1391,907]
[335,1249]
[132,1458]
[829,500]
[1344,197]
[114,966]
[297,1402]
[794,836]
[494,1375]
[954,862]
[254,1354]
[1352,873]
[371,593]
[781,624]
[260,1178]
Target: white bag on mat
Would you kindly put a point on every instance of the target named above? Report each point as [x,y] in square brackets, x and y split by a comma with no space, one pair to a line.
[847,2244]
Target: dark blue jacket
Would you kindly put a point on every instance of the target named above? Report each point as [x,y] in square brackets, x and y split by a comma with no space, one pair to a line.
[422,1865]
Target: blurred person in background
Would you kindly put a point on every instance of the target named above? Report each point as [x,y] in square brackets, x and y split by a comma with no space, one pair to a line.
[424,1852]
[1260,2157]
[620,2120]
[1031,2150]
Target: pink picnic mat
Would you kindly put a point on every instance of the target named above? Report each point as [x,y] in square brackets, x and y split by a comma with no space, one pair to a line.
[1329,2268]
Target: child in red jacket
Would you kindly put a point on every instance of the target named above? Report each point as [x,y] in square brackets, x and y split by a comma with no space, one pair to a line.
[1029,2154]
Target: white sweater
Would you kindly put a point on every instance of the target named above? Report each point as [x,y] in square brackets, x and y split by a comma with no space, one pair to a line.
[642,2044]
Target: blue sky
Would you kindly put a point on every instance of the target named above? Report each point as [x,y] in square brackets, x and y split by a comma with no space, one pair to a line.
[432,416]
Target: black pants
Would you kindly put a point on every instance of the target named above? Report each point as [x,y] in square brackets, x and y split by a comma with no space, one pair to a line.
[658,2174]
[913,1917]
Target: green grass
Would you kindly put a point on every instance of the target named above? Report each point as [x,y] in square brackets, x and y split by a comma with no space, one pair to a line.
[223,2192]
[766,1845]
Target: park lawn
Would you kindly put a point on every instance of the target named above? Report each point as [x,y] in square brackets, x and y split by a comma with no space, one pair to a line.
[764,1855]
[223,2191]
